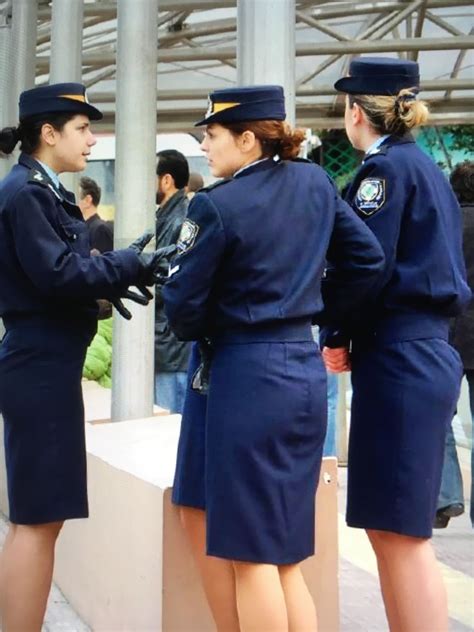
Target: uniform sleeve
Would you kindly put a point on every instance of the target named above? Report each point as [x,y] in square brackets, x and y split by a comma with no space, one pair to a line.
[50,264]
[200,248]
[380,201]
[355,262]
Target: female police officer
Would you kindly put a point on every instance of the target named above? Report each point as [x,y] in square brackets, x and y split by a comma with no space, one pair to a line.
[405,375]
[247,278]
[48,287]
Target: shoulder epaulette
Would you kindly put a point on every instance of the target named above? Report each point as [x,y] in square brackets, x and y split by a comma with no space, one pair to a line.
[37,177]
[214,185]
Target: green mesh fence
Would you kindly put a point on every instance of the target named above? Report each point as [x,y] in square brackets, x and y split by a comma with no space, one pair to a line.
[338,156]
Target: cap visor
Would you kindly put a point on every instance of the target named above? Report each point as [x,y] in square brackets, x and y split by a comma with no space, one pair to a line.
[346,84]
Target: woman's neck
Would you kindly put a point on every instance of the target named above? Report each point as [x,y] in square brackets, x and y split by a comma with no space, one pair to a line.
[368,138]
[46,159]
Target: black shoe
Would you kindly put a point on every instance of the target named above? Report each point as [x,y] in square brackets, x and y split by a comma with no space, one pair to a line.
[445,513]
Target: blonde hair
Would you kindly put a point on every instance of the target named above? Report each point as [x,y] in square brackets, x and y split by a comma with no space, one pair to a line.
[277,138]
[393,114]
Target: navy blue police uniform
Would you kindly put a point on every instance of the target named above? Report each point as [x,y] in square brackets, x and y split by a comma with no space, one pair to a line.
[405,375]
[48,286]
[249,279]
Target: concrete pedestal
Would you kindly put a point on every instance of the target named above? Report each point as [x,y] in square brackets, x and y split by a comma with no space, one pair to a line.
[129,567]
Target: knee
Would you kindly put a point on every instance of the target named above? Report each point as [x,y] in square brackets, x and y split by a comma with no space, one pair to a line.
[47,532]
[387,543]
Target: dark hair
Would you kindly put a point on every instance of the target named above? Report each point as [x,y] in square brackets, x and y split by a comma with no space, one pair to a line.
[90,187]
[462,181]
[173,162]
[28,132]
[392,114]
[277,138]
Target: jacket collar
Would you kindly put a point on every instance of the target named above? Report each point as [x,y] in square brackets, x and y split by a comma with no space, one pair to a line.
[261,165]
[35,166]
[175,200]
[397,140]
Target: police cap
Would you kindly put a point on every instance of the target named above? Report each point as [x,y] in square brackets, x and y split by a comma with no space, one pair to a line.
[379,76]
[56,98]
[252,103]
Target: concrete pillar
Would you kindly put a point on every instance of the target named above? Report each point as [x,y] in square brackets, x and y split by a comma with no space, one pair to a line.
[24,33]
[66,41]
[66,52]
[135,185]
[266,46]
[7,115]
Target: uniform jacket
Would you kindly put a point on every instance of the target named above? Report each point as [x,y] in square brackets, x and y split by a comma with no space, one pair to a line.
[171,354]
[101,233]
[463,329]
[45,252]
[407,202]
[253,251]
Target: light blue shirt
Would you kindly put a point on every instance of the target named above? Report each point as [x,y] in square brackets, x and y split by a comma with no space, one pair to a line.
[374,148]
[53,176]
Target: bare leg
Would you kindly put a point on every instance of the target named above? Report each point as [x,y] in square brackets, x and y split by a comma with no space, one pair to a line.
[26,575]
[299,603]
[217,575]
[387,594]
[260,598]
[411,568]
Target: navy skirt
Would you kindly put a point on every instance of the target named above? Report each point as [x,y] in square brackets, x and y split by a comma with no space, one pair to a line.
[250,452]
[404,398]
[43,412]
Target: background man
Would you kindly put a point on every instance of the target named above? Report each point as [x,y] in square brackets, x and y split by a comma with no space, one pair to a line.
[171,354]
[101,232]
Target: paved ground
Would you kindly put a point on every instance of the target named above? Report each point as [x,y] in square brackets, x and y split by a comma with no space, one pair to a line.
[361,606]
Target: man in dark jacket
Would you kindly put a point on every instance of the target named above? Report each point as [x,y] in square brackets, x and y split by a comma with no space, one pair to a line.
[101,232]
[451,498]
[171,354]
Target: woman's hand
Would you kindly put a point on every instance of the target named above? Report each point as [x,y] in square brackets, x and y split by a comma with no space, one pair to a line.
[337,360]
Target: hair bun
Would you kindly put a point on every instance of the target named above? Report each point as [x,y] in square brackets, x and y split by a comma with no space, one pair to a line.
[9,137]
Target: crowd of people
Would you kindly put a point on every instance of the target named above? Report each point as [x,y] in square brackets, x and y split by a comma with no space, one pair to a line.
[256,261]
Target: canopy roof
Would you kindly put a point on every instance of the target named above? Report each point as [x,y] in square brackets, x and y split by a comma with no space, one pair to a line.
[197,52]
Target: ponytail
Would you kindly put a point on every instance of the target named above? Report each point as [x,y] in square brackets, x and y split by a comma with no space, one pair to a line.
[277,138]
[393,114]
[9,138]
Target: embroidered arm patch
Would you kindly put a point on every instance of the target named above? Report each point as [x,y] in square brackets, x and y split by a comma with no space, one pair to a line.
[370,196]
[187,236]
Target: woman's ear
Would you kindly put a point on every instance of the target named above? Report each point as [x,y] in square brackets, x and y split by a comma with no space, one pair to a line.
[247,141]
[49,134]
[357,114]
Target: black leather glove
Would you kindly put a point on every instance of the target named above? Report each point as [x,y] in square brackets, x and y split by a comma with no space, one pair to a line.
[154,264]
[142,298]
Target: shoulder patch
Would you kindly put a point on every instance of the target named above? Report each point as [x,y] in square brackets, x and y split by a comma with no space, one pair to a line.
[187,236]
[370,196]
[214,185]
[37,177]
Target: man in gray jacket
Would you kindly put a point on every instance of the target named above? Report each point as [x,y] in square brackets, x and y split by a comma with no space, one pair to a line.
[171,354]
[451,498]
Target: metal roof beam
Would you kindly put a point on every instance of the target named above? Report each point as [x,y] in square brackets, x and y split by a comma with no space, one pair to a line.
[413,55]
[324,13]
[302,50]
[109,9]
[443,24]
[437,85]
[301,16]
